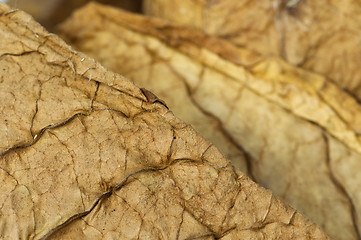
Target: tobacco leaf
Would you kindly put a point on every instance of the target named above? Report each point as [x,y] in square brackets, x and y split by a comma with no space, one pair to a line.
[85,155]
[49,13]
[321,36]
[299,131]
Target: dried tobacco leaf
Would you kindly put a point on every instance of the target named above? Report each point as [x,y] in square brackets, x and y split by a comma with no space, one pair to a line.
[300,130]
[84,155]
[50,13]
[321,36]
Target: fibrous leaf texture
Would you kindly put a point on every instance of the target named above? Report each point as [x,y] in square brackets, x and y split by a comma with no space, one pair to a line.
[292,131]
[85,155]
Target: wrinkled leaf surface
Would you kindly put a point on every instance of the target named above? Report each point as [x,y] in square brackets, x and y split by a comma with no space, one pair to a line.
[84,155]
[299,131]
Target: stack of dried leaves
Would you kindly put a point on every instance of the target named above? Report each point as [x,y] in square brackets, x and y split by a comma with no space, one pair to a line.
[292,131]
[86,154]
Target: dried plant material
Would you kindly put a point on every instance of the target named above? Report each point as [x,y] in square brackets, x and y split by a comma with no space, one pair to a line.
[85,155]
[300,130]
[321,36]
[49,13]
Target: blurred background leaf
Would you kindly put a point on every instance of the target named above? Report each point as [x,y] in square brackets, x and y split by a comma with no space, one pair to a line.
[51,12]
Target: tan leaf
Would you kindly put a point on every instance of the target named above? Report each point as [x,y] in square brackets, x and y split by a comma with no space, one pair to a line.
[85,155]
[300,131]
[321,36]
[49,13]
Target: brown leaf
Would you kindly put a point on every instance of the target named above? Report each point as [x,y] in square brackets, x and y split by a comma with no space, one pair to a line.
[84,155]
[300,131]
[321,36]
[49,13]
[151,98]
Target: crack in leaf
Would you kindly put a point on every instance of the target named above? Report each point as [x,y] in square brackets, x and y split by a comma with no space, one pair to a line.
[54,126]
[115,188]
[74,164]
